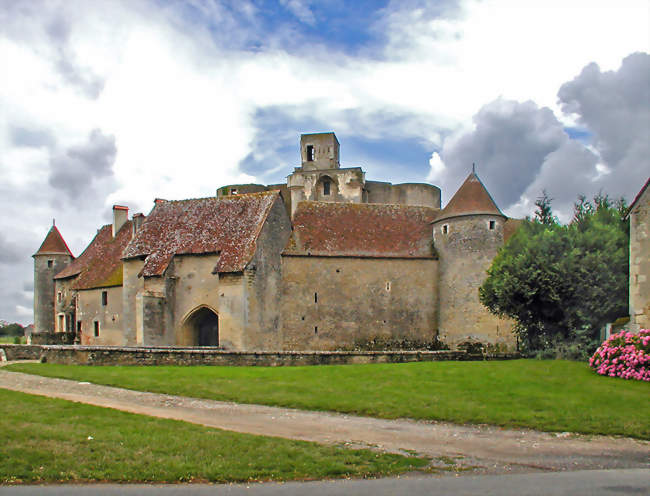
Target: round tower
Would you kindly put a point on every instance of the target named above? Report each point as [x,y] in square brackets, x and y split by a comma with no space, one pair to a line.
[52,257]
[467,235]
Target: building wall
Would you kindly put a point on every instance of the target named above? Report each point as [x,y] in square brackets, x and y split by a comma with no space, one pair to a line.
[65,304]
[421,194]
[110,316]
[466,252]
[333,303]
[263,282]
[307,185]
[132,286]
[45,268]
[196,287]
[640,263]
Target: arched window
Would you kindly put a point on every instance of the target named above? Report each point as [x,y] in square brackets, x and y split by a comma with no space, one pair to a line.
[326,187]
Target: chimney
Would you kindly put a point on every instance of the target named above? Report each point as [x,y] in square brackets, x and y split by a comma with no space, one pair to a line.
[138,219]
[120,216]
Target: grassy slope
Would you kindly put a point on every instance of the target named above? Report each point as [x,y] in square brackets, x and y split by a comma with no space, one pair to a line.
[545,395]
[48,440]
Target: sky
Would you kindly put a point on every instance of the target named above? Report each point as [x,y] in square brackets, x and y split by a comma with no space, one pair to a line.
[125,101]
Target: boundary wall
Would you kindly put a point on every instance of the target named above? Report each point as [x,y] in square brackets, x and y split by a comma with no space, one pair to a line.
[114,355]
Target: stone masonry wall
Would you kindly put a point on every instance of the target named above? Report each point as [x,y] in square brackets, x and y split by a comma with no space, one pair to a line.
[640,263]
[466,251]
[88,355]
[331,303]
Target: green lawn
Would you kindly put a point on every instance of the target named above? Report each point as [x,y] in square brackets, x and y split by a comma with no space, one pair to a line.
[48,440]
[11,340]
[547,395]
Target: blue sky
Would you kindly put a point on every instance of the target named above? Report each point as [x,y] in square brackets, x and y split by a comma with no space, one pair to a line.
[116,101]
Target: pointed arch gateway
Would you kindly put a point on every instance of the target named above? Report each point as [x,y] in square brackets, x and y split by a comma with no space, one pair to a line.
[200,328]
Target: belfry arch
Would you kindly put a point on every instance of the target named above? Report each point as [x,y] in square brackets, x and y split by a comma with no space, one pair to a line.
[200,328]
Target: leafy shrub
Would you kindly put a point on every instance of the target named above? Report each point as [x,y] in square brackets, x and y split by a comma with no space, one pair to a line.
[624,355]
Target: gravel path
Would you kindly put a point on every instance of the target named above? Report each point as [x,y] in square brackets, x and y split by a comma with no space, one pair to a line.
[484,448]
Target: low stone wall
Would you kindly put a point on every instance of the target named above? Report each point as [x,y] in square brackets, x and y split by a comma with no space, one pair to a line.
[104,355]
[53,337]
[22,351]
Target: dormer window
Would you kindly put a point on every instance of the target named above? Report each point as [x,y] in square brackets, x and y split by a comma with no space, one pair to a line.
[310,153]
[326,187]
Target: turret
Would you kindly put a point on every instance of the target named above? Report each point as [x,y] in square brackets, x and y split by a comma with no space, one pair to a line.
[467,235]
[52,257]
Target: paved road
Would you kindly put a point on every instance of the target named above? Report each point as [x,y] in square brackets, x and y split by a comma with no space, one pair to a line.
[593,483]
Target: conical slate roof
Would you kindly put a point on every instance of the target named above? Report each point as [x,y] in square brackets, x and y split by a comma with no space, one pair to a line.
[54,244]
[471,199]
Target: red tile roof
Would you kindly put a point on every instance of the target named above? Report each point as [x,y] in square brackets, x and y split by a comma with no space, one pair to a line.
[361,230]
[228,226]
[100,264]
[54,244]
[470,199]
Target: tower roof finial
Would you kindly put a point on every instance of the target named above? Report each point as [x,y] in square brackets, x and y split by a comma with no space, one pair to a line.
[53,222]
[473,168]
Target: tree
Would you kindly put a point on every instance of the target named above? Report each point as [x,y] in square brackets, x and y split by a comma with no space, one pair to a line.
[562,283]
[12,330]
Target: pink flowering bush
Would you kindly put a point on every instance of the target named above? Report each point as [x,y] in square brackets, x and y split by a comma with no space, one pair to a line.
[625,355]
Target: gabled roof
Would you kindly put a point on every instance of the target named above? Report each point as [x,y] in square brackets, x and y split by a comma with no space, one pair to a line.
[100,264]
[637,197]
[361,230]
[54,244]
[228,226]
[471,199]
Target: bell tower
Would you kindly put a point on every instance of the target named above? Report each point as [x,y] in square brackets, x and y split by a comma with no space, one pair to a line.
[319,151]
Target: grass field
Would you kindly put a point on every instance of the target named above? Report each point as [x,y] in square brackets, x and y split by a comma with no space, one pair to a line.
[11,340]
[548,395]
[48,440]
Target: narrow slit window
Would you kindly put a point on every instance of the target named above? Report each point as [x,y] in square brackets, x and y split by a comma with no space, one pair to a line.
[96,328]
[492,224]
[50,263]
[387,285]
[59,297]
[310,153]
[315,297]
[445,229]
[79,326]
[315,329]
[104,298]
[326,187]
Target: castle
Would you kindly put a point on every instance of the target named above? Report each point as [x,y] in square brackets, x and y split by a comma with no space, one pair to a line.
[326,261]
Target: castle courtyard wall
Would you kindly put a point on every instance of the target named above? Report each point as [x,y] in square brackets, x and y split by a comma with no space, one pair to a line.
[331,303]
[640,263]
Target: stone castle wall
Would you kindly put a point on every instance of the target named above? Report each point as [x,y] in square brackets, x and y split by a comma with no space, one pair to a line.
[640,263]
[45,268]
[466,251]
[331,303]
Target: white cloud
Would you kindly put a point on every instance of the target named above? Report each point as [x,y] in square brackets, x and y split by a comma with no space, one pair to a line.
[180,97]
